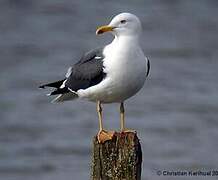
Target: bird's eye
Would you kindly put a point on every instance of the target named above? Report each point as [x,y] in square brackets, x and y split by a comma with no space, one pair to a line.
[123,21]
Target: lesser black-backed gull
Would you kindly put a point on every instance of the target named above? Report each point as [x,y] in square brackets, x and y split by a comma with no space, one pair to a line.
[110,74]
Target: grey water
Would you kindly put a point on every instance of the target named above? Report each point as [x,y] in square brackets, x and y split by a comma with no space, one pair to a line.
[175,114]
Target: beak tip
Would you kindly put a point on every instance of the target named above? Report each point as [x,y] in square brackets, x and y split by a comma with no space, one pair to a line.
[99,32]
[103,29]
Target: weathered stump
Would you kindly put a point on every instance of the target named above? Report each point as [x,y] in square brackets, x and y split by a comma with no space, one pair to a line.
[117,159]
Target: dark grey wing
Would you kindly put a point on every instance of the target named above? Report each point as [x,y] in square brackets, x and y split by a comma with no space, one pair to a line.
[87,72]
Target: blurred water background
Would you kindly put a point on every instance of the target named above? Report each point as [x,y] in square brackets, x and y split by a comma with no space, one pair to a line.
[175,114]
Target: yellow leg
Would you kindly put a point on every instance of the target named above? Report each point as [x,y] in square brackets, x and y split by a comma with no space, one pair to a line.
[122,117]
[122,120]
[103,135]
[99,110]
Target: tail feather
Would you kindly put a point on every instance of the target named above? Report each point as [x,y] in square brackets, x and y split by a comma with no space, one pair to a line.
[60,91]
[65,97]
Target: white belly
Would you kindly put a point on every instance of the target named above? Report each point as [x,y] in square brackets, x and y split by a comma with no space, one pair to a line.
[125,77]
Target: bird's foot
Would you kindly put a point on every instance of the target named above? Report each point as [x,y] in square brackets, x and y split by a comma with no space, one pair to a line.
[104,135]
[128,131]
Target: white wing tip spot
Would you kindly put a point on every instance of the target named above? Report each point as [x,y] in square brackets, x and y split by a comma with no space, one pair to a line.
[98,57]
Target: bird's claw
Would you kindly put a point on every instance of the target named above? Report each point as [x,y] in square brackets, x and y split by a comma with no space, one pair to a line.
[104,135]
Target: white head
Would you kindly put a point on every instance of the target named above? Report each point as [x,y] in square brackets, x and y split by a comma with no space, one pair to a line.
[124,24]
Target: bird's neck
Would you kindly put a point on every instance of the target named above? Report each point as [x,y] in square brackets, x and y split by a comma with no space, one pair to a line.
[134,40]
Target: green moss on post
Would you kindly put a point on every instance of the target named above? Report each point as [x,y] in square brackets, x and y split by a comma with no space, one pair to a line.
[117,159]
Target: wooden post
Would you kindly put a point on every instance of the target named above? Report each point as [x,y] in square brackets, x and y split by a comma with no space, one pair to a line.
[117,159]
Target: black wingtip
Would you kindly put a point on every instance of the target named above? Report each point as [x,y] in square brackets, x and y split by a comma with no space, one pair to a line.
[41,87]
[148,67]
[56,84]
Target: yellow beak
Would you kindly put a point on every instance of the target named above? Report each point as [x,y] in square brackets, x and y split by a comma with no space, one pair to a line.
[103,29]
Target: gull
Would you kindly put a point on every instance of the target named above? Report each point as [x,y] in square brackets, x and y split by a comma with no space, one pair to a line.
[109,74]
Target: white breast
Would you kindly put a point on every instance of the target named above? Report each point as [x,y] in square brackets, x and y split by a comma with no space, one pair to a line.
[125,66]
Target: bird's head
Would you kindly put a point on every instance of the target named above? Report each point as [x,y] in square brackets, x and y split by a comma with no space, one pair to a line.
[124,24]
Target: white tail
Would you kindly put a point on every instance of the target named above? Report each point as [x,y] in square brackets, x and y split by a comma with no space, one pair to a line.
[65,97]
